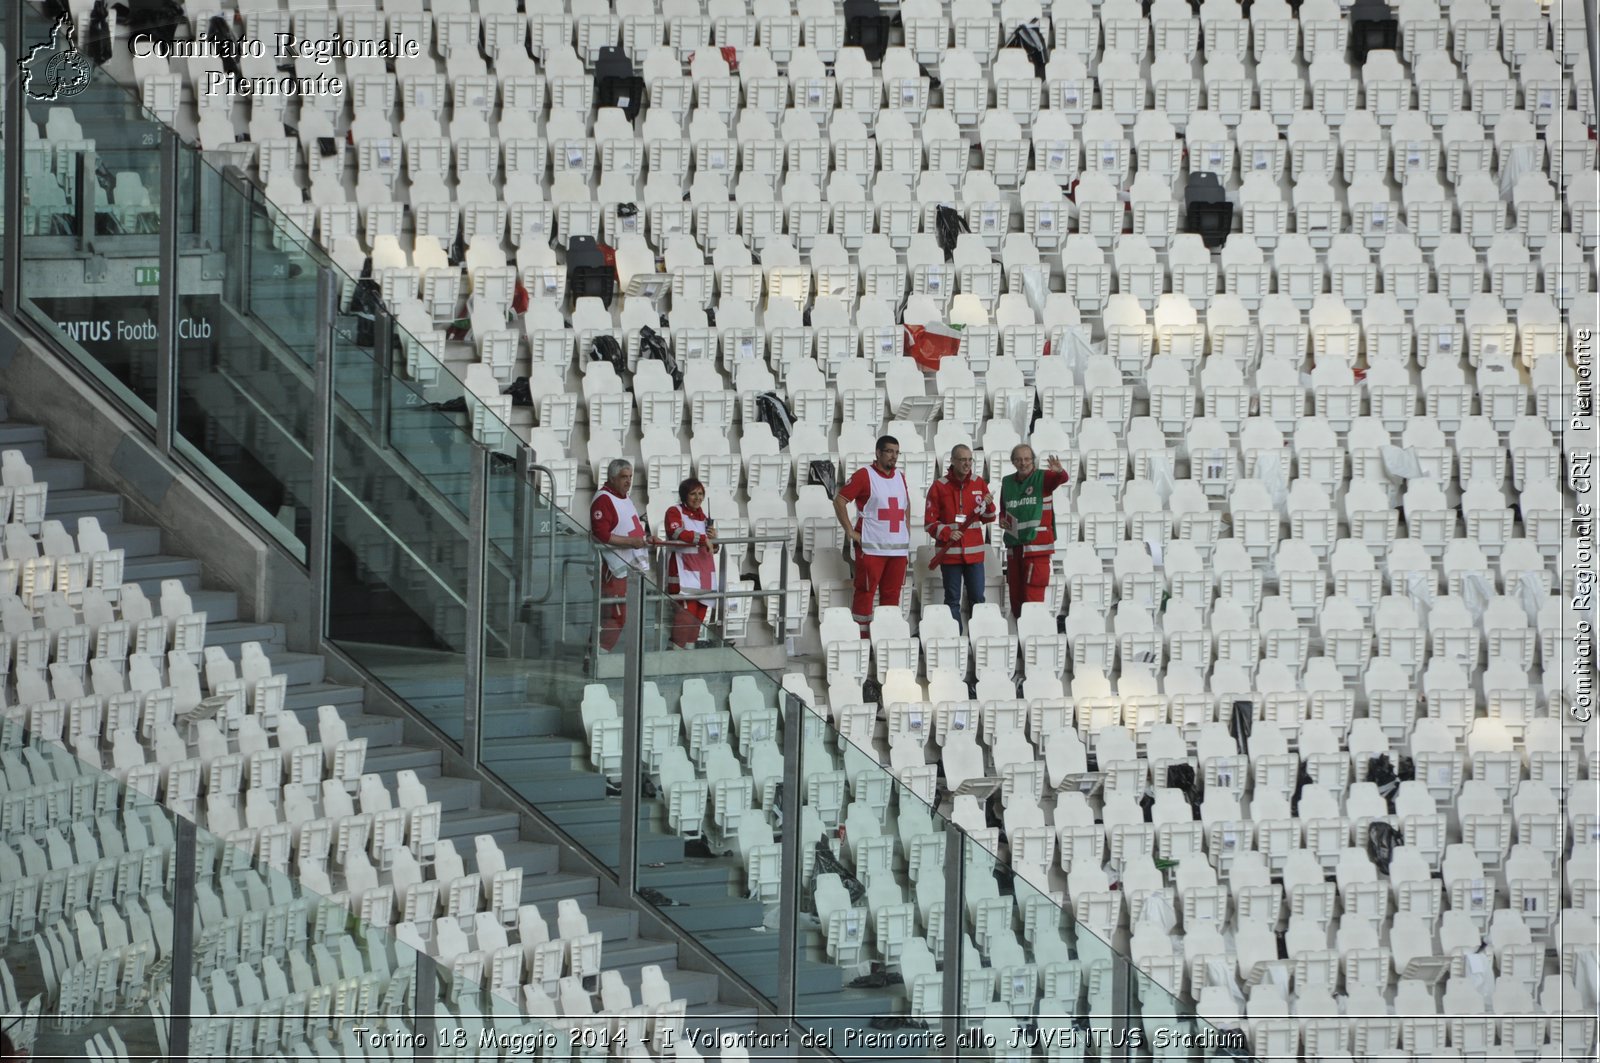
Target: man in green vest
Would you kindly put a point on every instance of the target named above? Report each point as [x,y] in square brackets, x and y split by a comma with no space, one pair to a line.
[1028,518]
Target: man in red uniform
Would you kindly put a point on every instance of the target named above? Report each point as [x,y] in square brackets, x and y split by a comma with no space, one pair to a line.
[614,522]
[958,507]
[1029,519]
[882,532]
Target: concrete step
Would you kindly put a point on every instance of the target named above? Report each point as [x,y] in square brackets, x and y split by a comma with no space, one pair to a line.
[62,474]
[542,752]
[456,794]
[310,695]
[512,721]
[220,607]
[753,954]
[381,732]
[546,889]
[594,824]
[391,759]
[68,506]
[27,438]
[655,848]
[713,914]
[616,926]
[134,540]
[462,825]
[536,859]
[629,958]
[696,988]
[149,571]
[303,669]
[698,881]
[542,783]
[233,633]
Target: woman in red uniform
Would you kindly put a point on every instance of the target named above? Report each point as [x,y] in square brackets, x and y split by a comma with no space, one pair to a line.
[693,567]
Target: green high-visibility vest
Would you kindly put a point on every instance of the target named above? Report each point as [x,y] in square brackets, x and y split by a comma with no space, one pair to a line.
[1023,500]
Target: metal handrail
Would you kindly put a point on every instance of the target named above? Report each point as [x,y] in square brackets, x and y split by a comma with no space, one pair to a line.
[532,468]
[781,592]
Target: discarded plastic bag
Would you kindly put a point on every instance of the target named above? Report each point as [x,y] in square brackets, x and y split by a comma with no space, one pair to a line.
[948,227]
[520,392]
[1181,777]
[823,472]
[653,345]
[1402,462]
[828,864]
[1158,910]
[1031,39]
[1240,722]
[604,348]
[1381,773]
[1382,839]
[774,412]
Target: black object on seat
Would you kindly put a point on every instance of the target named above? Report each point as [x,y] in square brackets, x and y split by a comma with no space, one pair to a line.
[587,270]
[616,83]
[866,27]
[1373,28]
[1207,210]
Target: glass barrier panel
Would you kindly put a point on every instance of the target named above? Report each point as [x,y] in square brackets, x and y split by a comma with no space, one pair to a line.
[91,220]
[1033,985]
[711,754]
[552,701]
[399,520]
[247,350]
[86,893]
[871,917]
[5,89]
[324,959]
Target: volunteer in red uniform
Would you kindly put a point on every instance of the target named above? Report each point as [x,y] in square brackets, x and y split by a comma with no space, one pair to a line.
[882,532]
[958,507]
[1029,519]
[692,569]
[615,523]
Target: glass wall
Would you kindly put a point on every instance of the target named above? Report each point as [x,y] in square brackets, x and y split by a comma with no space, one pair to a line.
[91,219]
[104,877]
[6,15]
[711,733]
[552,701]
[873,900]
[87,935]
[247,308]
[400,521]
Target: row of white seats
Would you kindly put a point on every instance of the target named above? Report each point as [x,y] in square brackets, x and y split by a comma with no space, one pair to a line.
[564,153]
[1101,198]
[1276,28]
[1312,880]
[1544,77]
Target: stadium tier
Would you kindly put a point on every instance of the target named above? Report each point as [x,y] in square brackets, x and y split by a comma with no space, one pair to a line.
[1284,750]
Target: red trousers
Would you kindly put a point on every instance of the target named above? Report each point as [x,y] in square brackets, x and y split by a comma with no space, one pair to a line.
[1027,577]
[686,621]
[876,576]
[612,617]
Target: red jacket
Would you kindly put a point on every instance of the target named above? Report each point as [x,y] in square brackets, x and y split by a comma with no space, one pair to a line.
[948,499]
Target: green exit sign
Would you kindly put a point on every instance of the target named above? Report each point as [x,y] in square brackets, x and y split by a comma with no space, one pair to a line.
[146,276]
